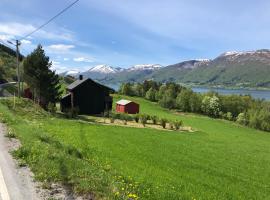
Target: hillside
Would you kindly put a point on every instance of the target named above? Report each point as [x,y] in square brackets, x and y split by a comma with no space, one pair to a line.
[232,69]
[221,160]
[7,64]
[245,69]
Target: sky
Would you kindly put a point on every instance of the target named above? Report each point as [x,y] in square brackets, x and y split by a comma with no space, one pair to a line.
[122,33]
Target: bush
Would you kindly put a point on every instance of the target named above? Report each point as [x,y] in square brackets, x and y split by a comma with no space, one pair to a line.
[177,124]
[154,119]
[229,116]
[242,119]
[112,119]
[125,118]
[163,122]
[143,119]
[171,125]
[136,118]
[52,108]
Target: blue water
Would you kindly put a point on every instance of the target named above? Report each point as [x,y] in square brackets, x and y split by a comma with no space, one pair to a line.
[257,94]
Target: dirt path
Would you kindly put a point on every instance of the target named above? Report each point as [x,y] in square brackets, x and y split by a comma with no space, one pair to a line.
[15,183]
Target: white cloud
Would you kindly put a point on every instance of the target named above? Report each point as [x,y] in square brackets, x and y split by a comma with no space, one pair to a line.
[26,42]
[6,37]
[83,59]
[60,48]
[66,59]
[21,30]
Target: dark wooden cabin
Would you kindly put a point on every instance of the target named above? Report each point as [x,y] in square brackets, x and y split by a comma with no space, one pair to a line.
[88,96]
[126,106]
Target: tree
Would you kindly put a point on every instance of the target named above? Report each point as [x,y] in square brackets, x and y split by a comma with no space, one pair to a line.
[211,106]
[43,82]
[167,99]
[160,92]
[195,102]
[138,90]
[151,94]
[183,100]
[126,89]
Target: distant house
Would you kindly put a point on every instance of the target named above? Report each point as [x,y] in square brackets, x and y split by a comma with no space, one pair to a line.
[28,94]
[88,96]
[126,106]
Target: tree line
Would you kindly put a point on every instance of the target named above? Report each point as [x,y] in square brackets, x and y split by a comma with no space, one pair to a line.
[242,109]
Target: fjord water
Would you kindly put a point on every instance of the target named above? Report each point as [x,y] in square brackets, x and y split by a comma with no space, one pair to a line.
[257,94]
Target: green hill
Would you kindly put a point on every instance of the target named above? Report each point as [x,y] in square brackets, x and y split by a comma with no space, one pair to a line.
[8,64]
[246,69]
[221,160]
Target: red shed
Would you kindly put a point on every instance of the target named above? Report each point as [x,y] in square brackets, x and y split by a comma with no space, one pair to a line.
[126,106]
[28,94]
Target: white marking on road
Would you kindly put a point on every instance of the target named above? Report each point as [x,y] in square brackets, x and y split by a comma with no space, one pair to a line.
[3,188]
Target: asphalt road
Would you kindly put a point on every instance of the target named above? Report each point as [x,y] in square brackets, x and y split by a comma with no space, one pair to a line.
[15,183]
[3,92]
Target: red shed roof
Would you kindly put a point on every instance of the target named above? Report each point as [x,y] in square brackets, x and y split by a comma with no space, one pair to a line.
[123,102]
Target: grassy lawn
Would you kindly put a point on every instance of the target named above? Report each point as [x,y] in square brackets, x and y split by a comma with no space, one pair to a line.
[221,160]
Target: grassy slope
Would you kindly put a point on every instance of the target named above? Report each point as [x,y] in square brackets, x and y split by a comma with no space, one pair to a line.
[219,161]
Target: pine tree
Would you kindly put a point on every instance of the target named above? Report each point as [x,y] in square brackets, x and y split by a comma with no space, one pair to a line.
[43,82]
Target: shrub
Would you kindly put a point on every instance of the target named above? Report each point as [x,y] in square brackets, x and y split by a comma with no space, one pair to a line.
[112,119]
[125,118]
[177,124]
[163,122]
[242,119]
[171,125]
[154,119]
[229,116]
[143,119]
[136,118]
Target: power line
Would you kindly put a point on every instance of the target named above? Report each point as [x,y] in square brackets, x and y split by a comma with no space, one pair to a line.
[6,44]
[40,27]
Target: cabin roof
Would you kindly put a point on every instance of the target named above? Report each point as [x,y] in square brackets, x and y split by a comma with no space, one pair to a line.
[65,96]
[77,83]
[123,102]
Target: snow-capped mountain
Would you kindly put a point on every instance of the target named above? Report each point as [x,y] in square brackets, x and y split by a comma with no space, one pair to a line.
[263,54]
[104,69]
[144,67]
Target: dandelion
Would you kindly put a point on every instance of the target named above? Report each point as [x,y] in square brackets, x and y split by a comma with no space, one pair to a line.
[133,196]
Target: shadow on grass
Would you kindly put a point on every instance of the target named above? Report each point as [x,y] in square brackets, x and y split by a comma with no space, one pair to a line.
[68,149]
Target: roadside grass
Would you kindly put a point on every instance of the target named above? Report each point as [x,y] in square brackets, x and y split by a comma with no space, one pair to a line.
[221,160]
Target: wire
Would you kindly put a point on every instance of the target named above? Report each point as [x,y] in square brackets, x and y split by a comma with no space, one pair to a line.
[40,27]
[6,44]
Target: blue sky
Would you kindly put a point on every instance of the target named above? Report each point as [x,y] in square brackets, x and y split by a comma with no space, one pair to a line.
[128,32]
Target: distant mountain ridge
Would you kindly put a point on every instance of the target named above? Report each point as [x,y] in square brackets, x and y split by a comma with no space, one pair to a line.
[233,69]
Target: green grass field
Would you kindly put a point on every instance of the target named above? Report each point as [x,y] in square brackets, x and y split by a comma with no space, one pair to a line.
[221,160]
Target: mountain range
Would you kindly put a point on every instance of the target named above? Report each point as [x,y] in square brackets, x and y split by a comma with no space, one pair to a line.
[232,69]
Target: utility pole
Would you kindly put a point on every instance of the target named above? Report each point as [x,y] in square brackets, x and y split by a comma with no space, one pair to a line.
[18,43]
